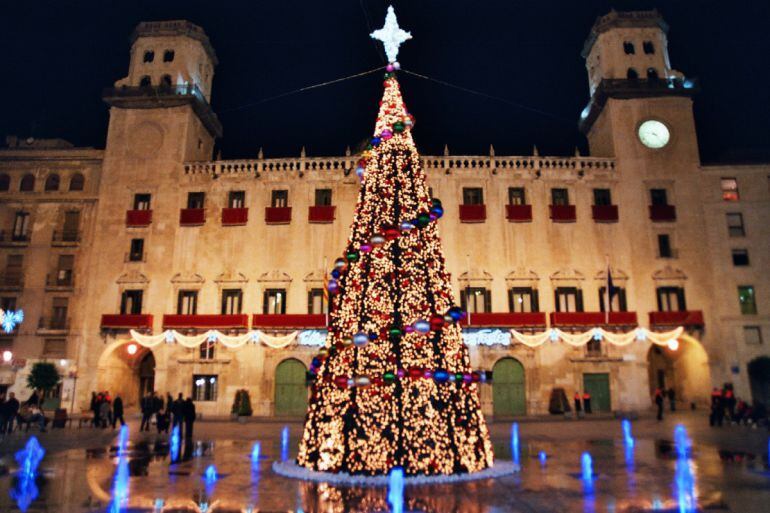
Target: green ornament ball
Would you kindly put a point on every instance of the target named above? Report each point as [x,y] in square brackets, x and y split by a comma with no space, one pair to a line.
[398,126]
[352,256]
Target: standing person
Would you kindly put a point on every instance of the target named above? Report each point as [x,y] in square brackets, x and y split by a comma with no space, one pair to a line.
[587,401]
[659,402]
[671,398]
[95,408]
[717,408]
[105,412]
[188,412]
[169,402]
[578,407]
[730,401]
[177,413]
[117,411]
[146,406]
[3,414]
[157,405]
[11,407]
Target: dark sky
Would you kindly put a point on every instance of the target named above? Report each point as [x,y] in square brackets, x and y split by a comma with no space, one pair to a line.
[58,55]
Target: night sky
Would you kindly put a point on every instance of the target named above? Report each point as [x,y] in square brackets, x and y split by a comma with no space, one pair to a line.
[59,55]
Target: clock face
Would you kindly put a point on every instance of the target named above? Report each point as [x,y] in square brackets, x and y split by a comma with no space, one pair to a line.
[654,134]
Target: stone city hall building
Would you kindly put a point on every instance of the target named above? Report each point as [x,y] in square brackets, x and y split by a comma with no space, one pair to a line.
[151,234]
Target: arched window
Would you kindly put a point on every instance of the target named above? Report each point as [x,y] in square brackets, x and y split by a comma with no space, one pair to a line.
[149,56]
[631,74]
[77,182]
[168,56]
[27,183]
[52,182]
[628,47]
[166,80]
[652,74]
[146,81]
[5,182]
[648,47]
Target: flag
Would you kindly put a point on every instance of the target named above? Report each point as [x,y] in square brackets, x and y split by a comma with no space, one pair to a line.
[325,300]
[609,292]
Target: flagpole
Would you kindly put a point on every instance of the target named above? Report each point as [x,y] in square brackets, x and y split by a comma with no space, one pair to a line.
[326,295]
[468,289]
[607,292]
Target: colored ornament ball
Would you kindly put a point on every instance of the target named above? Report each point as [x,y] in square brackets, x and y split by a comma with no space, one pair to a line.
[360,339]
[377,240]
[406,226]
[360,172]
[332,286]
[422,326]
[365,248]
[423,220]
[340,264]
[436,322]
[455,313]
[386,134]
[391,234]
[335,274]
[352,256]
[376,141]
[398,126]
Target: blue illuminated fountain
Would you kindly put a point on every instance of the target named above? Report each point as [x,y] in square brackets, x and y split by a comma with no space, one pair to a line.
[175,440]
[543,457]
[628,443]
[515,443]
[120,483]
[28,460]
[210,475]
[396,490]
[587,471]
[285,443]
[255,451]
[684,481]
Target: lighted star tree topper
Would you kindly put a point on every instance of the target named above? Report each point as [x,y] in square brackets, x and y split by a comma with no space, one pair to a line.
[393,386]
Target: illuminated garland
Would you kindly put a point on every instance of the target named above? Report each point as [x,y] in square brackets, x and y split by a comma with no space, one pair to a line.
[306,338]
[10,319]
[616,339]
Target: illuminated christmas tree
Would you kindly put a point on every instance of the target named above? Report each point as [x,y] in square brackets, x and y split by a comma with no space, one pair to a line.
[393,386]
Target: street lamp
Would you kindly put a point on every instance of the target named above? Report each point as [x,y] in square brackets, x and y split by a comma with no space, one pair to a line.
[7,356]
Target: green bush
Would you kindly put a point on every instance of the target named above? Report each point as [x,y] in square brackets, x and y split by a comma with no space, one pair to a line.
[242,404]
[43,376]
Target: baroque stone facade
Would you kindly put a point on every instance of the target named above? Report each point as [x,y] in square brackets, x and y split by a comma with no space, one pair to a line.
[164,237]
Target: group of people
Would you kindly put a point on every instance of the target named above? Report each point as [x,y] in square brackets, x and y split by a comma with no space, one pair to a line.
[169,414]
[660,397]
[23,413]
[725,406]
[106,410]
[585,404]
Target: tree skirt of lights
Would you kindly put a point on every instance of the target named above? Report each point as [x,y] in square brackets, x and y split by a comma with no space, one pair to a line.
[292,470]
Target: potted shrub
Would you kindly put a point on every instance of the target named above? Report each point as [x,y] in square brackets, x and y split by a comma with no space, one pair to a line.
[242,405]
[44,377]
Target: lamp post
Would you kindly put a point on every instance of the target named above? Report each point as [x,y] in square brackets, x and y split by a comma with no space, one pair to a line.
[74,375]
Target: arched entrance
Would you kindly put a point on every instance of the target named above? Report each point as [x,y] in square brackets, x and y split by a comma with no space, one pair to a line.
[685,369]
[290,388]
[508,389]
[127,369]
[759,380]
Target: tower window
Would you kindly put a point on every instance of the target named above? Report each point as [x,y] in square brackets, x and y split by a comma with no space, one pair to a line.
[652,74]
[5,182]
[77,182]
[27,183]
[52,182]
[168,56]
[632,74]
[149,56]
[648,47]
[166,80]
[628,47]
[145,81]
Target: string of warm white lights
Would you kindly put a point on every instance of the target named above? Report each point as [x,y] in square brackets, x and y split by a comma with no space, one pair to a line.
[230,341]
[668,338]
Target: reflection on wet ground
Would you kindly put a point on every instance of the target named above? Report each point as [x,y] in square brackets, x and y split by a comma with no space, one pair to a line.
[616,472]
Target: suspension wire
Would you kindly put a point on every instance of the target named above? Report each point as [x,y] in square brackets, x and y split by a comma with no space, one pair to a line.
[491,97]
[301,89]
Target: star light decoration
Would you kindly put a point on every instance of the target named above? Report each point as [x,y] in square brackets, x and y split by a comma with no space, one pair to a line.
[391,35]
[10,319]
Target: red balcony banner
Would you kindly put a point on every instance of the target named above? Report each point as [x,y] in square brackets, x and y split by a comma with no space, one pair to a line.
[663,212]
[126,321]
[290,321]
[234,216]
[605,213]
[206,321]
[473,213]
[192,216]
[518,213]
[686,318]
[278,215]
[506,320]
[138,217]
[321,214]
[563,213]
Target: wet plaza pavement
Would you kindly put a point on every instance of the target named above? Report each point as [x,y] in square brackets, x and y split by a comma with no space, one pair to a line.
[663,468]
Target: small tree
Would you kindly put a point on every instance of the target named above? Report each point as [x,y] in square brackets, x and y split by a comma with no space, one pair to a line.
[43,376]
[242,404]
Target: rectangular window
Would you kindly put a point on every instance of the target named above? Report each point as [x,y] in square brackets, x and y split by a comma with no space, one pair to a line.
[648,47]
[618,302]
[142,201]
[602,197]
[232,301]
[747,299]
[664,246]
[735,226]
[187,302]
[206,350]
[13,270]
[196,199]
[517,196]
[628,47]
[279,198]
[59,313]
[236,199]
[274,301]
[659,197]
[131,302]
[21,226]
[740,257]
[523,299]
[8,304]
[71,225]
[64,270]
[559,197]
[671,299]
[316,302]
[473,196]
[729,189]
[205,387]
[568,299]
[594,348]
[476,300]
[752,335]
[55,348]
[323,197]
[136,252]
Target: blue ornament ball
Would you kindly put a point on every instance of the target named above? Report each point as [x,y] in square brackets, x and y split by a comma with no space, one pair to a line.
[360,339]
[422,326]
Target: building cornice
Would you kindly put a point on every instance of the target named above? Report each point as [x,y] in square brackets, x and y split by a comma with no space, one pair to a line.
[619,19]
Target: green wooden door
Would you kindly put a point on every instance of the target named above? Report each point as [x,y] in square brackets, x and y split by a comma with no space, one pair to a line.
[508,393]
[598,385]
[290,389]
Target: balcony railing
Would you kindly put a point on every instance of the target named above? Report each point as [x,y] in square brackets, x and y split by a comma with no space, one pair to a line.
[235,216]
[138,217]
[289,321]
[192,216]
[230,321]
[60,280]
[53,324]
[321,213]
[12,280]
[506,320]
[688,318]
[518,213]
[663,213]
[563,213]
[65,237]
[126,321]
[278,215]
[15,238]
[605,213]
[473,213]
[584,319]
